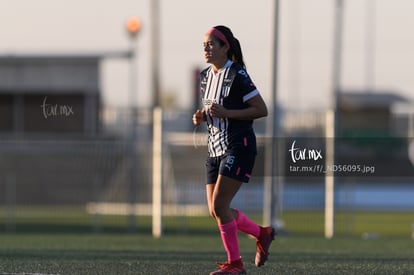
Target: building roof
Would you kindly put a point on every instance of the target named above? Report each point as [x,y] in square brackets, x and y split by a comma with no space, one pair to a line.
[369,99]
[33,73]
[91,56]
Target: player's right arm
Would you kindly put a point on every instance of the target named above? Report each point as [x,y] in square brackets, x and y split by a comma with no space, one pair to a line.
[199,117]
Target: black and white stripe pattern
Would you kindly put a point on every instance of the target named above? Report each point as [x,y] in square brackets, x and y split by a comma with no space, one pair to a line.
[216,90]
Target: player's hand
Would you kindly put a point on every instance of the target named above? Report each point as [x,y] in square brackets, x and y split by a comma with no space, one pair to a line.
[217,110]
[198,117]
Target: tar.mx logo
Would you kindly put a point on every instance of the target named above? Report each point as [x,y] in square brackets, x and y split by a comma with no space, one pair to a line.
[297,153]
[56,110]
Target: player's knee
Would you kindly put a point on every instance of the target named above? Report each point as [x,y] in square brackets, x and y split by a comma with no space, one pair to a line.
[218,211]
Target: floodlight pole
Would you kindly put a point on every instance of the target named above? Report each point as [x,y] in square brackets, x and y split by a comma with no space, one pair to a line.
[273,186]
[133,26]
[157,141]
[370,45]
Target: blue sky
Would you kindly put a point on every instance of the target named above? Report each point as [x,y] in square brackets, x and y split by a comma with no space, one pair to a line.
[79,26]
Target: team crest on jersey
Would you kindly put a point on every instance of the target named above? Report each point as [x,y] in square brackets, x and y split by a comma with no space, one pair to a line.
[226,87]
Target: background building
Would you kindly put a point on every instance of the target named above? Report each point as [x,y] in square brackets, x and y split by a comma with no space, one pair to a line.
[50,94]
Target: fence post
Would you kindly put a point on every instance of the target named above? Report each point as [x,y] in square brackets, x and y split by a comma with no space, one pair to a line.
[329,176]
[157,174]
[11,199]
[97,216]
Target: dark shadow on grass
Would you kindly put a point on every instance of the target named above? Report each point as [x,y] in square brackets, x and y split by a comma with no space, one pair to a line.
[106,255]
[52,228]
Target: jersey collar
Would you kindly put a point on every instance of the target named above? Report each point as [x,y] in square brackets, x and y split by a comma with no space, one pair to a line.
[227,65]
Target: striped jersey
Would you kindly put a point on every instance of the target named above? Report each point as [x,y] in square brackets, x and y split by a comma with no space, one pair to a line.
[232,88]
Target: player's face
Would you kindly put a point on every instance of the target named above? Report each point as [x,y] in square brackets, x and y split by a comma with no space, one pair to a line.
[214,52]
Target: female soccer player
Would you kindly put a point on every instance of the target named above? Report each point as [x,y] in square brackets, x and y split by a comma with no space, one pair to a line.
[230,104]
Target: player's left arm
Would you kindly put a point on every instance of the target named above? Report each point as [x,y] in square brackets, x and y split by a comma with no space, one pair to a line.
[256,109]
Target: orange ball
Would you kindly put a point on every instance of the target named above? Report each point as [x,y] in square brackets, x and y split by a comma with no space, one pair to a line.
[133,25]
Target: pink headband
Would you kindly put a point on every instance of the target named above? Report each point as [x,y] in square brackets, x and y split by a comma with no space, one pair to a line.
[219,35]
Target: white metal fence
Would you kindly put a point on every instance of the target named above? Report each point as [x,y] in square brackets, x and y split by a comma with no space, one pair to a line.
[94,173]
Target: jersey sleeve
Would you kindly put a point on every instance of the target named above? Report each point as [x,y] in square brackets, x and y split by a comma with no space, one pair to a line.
[247,88]
[203,82]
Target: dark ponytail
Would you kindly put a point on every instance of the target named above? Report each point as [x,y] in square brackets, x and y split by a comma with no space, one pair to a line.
[235,53]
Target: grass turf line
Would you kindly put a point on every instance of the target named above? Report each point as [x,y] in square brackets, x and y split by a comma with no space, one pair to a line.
[196,254]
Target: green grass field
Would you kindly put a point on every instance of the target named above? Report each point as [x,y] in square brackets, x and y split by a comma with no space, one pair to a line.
[62,241]
[196,254]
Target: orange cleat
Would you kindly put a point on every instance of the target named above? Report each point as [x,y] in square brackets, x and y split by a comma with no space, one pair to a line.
[267,235]
[235,267]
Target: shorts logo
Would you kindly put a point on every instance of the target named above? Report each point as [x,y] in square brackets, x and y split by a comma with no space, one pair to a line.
[230,162]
